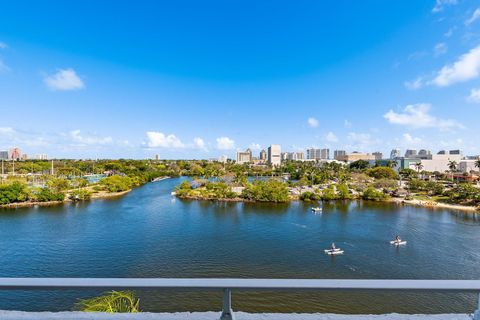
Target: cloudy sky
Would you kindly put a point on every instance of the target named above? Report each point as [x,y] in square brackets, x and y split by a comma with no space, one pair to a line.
[190,79]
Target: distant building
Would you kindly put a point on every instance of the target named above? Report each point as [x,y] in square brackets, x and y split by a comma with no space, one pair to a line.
[274,155]
[318,154]
[223,159]
[395,153]
[41,156]
[263,155]
[24,156]
[293,156]
[157,157]
[424,154]
[297,156]
[14,154]
[455,152]
[378,155]
[339,154]
[410,153]
[3,155]
[355,156]
[244,156]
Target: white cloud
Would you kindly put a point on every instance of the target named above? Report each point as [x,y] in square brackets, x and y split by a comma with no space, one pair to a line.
[417,116]
[225,143]
[199,143]
[312,122]
[439,49]
[474,96]
[63,80]
[475,16]
[410,140]
[466,67]
[255,146]
[449,33]
[331,137]
[414,84]
[77,137]
[440,4]
[157,139]
[3,45]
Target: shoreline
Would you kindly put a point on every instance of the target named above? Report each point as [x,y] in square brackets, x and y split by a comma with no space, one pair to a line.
[401,201]
[435,204]
[28,204]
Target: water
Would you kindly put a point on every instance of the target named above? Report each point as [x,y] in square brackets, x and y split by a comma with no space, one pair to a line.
[147,233]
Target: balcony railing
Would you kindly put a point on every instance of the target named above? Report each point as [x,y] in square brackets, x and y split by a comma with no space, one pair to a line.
[227,285]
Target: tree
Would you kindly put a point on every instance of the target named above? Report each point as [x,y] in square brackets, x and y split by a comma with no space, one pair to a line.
[418,166]
[382,173]
[477,164]
[373,194]
[359,165]
[268,191]
[452,165]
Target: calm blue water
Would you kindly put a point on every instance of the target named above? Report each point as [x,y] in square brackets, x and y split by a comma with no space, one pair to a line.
[147,233]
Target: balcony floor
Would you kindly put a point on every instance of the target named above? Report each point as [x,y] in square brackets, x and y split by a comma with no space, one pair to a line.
[18,315]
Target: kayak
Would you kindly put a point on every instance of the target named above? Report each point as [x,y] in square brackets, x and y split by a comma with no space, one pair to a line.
[333,251]
[398,243]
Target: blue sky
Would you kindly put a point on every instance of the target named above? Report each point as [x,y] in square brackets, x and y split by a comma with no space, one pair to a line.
[191,79]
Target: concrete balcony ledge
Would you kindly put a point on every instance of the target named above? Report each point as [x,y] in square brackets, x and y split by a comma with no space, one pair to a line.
[20,315]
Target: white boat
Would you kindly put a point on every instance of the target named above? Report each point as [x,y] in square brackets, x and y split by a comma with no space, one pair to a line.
[317,209]
[173,193]
[398,243]
[334,251]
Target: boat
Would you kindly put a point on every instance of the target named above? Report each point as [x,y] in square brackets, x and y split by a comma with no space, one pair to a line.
[398,243]
[334,251]
[316,209]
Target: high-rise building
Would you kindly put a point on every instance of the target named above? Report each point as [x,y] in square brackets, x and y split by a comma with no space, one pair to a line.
[395,153]
[274,155]
[318,154]
[410,153]
[339,154]
[295,156]
[244,156]
[41,156]
[263,155]
[3,155]
[157,157]
[378,155]
[14,154]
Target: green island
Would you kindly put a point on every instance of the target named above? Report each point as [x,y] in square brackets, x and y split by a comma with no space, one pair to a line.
[38,182]
[307,181]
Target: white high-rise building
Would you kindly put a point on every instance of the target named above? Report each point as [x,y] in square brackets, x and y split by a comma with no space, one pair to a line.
[318,154]
[274,155]
[244,156]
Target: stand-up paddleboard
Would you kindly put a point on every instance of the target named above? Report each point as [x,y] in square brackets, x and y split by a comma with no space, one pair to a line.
[398,243]
[334,251]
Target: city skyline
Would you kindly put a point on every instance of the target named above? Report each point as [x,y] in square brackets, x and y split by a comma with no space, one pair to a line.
[186,84]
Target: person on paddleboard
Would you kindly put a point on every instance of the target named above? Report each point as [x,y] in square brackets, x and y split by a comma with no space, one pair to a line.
[397,238]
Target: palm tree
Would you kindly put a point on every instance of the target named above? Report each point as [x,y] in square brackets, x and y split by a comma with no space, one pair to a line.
[452,165]
[393,163]
[418,166]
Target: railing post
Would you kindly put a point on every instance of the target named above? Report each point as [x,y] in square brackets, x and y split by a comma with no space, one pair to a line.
[476,315]
[227,312]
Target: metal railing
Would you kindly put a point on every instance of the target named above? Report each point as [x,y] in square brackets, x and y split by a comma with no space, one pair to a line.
[227,285]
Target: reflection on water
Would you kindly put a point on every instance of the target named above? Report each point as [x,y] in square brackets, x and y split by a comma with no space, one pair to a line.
[148,233]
